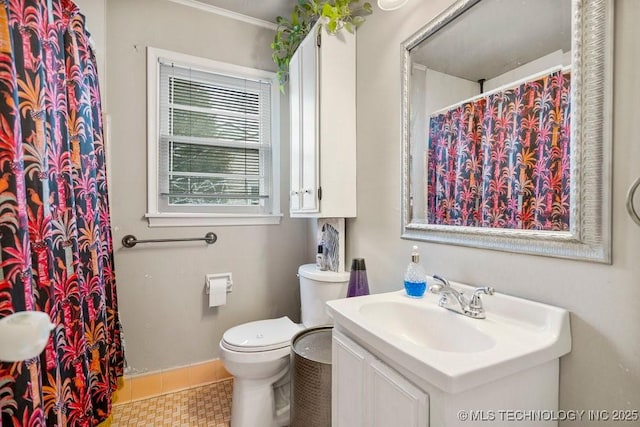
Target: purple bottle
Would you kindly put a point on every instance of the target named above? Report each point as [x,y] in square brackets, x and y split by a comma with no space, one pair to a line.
[358,283]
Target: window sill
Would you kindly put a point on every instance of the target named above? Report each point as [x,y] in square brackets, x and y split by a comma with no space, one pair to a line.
[202,220]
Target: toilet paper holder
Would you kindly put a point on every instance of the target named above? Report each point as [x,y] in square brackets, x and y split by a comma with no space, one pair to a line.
[210,278]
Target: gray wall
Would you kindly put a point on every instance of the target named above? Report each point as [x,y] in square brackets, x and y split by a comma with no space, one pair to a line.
[603,370]
[160,288]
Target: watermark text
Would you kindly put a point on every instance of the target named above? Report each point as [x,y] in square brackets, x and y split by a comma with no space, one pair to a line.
[543,415]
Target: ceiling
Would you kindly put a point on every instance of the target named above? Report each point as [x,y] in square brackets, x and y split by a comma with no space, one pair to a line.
[267,10]
[491,38]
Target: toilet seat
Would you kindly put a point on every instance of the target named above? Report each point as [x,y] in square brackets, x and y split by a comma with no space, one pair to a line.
[261,335]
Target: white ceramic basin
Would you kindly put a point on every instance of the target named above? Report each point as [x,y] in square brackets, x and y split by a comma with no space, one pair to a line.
[400,320]
[449,350]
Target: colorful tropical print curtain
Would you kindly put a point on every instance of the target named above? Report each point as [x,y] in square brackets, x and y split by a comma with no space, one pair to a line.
[56,249]
[503,160]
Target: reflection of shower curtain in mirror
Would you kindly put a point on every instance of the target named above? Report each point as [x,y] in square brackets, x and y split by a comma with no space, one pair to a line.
[503,160]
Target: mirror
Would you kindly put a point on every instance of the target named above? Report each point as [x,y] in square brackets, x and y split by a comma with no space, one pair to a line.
[506,122]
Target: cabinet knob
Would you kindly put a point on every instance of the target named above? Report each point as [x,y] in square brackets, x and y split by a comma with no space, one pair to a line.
[295,193]
[307,191]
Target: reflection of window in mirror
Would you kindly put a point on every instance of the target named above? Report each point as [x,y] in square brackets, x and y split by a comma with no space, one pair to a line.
[490,129]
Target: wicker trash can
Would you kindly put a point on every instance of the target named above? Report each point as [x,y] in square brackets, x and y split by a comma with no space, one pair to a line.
[311,378]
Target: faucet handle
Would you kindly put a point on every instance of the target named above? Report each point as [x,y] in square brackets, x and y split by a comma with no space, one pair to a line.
[437,287]
[476,302]
[441,279]
[487,290]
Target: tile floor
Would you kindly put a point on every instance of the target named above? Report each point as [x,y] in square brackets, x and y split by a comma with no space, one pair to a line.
[203,406]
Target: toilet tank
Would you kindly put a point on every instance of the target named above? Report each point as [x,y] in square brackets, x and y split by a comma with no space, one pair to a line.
[316,288]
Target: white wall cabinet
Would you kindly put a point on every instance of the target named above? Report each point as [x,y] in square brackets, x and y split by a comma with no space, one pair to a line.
[322,88]
[368,393]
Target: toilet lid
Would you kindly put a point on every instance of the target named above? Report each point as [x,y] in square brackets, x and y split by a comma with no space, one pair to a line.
[261,335]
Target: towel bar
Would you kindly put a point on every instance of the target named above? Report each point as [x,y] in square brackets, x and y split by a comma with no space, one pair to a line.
[130,240]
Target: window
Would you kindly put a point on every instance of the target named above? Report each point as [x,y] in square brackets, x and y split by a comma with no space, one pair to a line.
[213,142]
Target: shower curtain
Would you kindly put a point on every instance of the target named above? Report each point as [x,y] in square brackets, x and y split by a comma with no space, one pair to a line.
[503,160]
[56,250]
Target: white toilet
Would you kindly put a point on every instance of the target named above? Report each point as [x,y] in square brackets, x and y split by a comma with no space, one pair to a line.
[257,353]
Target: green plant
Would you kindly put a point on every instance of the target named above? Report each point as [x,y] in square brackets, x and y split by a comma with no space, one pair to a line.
[334,15]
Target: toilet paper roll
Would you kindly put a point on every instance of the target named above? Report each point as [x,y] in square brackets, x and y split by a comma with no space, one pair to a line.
[217,292]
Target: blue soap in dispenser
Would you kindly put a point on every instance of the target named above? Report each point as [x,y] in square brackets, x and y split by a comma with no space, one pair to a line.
[415,279]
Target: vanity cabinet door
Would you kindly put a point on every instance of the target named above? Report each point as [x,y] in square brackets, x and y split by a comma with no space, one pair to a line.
[394,401]
[348,378]
[367,392]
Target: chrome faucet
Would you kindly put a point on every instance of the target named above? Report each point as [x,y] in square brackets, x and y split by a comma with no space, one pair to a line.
[469,307]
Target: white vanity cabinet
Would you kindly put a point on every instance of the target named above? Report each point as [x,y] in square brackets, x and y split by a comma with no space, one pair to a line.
[367,392]
[400,361]
[322,90]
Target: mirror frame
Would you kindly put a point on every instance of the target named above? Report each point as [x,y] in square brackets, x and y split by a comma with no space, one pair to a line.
[589,235]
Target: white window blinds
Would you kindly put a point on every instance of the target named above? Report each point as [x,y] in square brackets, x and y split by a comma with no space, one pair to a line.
[214,142]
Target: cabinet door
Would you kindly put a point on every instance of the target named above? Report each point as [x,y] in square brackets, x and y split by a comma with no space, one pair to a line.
[393,401]
[303,96]
[367,392]
[310,124]
[295,99]
[348,377]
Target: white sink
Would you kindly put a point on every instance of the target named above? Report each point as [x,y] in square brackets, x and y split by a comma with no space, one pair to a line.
[402,321]
[449,350]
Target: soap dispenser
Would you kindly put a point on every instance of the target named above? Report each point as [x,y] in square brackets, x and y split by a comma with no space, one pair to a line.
[415,278]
